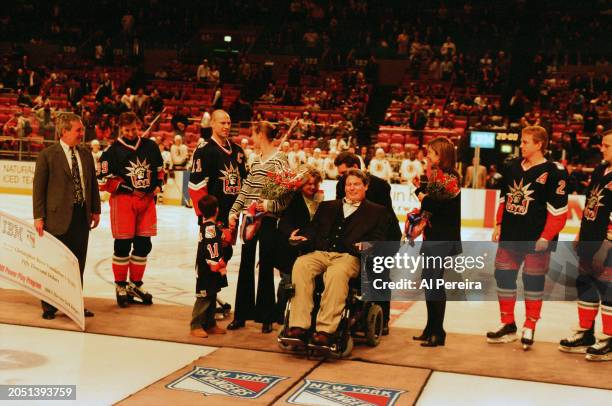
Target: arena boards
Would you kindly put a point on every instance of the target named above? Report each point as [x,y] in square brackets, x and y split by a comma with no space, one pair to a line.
[463,354]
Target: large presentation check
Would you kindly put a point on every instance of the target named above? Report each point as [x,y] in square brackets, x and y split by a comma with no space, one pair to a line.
[41,266]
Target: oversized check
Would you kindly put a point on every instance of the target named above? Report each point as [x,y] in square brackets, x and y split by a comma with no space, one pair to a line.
[41,266]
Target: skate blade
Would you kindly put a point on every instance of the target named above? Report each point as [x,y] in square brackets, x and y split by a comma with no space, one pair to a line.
[573,350]
[503,340]
[594,357]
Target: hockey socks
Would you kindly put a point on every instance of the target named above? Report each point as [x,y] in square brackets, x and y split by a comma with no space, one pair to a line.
[137,268]
[506,293]
[120,268]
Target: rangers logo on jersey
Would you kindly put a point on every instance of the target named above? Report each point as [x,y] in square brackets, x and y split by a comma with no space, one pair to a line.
[231,180]
[517,200]
[139,173]
[213,381]
[332,393]
[593,203]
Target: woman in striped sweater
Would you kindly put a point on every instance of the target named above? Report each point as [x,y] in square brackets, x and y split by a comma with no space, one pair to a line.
[269,159]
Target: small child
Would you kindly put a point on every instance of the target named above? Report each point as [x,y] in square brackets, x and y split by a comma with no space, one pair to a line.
[211,265]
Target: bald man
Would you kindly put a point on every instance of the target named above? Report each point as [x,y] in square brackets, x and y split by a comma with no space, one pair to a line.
[218,167]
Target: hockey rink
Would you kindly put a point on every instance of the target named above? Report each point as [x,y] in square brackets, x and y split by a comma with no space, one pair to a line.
[107,369]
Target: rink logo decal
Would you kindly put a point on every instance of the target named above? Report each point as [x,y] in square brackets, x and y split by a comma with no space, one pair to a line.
[213,381]
[332,394]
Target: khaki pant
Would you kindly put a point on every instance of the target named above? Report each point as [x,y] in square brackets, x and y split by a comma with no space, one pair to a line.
[338,269]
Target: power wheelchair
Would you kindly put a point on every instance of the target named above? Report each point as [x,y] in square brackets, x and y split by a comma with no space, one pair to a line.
[360,321]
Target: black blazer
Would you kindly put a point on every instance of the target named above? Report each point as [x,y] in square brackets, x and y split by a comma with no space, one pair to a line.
[296,215]
[53,188]
[372,224]
[379,192]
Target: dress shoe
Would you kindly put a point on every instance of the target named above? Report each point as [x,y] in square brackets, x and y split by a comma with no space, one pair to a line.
[198,332]
[423,337]
[295,332]
[88,313]
[48,315]
[236,324]
[434,340]
[385,329]
[321,338]
[216,330]
[266,328]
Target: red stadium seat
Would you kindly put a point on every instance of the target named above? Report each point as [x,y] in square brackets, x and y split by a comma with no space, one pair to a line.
[397,139]
[383,137]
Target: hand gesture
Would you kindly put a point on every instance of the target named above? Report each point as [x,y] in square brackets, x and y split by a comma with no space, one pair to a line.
[541,245]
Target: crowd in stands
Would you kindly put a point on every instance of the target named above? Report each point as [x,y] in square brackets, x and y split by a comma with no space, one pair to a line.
[458,77]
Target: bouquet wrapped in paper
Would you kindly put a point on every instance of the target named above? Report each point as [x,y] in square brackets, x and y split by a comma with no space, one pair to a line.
[277,186]
[441,186]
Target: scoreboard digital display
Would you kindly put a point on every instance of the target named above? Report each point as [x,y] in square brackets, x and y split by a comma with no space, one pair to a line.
[482,139]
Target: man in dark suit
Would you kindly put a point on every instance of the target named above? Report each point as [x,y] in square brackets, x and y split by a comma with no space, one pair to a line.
[379,191]
[297,215]
[333,236]
[66,200]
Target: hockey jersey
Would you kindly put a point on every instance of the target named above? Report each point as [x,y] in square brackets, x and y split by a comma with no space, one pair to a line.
[218,171]
[131,166]
[210,256]
[533,201]
[596,222]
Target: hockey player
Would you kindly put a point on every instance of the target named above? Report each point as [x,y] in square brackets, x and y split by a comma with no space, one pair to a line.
[594,281]
[533,210]
[219,166]
[211,269]
[131,169]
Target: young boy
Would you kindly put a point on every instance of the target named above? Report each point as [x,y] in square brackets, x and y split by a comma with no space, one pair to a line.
[211,265]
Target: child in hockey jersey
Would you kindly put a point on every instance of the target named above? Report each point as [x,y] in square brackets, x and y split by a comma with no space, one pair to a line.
[211,265]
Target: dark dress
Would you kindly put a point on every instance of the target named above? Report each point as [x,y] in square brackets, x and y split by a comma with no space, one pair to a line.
[441,237]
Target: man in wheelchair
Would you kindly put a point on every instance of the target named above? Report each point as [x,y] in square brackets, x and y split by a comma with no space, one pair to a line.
[333,240]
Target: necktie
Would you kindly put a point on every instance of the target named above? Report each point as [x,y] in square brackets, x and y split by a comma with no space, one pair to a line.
[76,179]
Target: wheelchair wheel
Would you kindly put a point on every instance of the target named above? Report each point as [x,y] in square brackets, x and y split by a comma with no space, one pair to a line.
[348,349]
[374,325]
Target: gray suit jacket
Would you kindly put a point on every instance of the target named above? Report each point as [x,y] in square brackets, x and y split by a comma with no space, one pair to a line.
[53,194]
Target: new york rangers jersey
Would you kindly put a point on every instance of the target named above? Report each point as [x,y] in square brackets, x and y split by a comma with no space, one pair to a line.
[138,165]
[533,201]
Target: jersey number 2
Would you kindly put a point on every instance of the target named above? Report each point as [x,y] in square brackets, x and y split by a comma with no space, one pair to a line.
[561,188]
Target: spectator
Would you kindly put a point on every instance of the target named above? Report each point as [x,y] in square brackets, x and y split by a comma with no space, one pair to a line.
[380,167]
[410,169]
[180,121]
[331,172]
[316,161]
[477,181]
[217,100]
[179,153]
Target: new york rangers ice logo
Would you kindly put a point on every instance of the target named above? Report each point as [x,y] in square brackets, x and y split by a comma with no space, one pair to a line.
[517,200]
[593,202]
[213,381]
[333,394]
[231,180]
[139,173]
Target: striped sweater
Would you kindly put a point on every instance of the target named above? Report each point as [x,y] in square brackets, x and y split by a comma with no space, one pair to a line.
[251,189]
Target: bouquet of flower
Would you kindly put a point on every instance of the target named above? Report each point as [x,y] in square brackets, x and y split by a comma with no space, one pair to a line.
[279,184]
[276,186]
[442,186]
[416,221]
